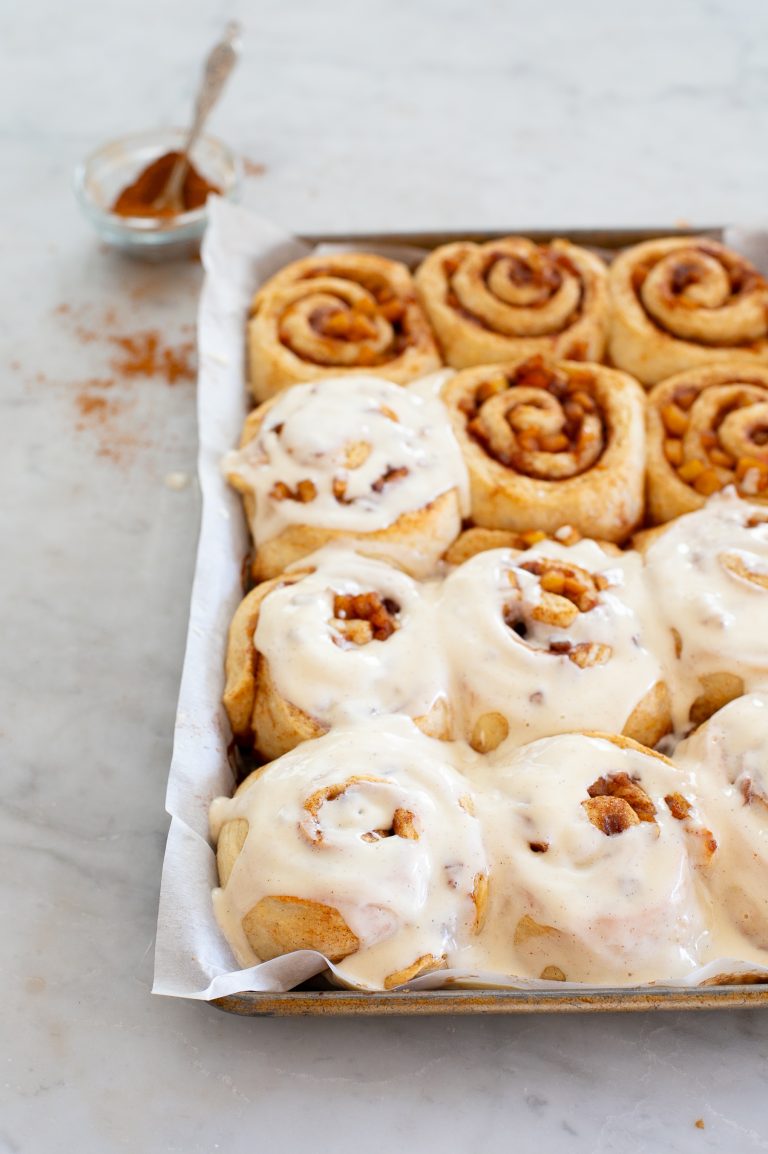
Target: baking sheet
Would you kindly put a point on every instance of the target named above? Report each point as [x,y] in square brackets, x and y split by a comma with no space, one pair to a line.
[192,959]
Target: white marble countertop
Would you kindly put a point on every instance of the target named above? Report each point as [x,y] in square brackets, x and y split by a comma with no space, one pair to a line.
[411,113]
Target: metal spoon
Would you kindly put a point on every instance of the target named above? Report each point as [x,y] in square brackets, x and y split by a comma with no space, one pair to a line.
[221,60]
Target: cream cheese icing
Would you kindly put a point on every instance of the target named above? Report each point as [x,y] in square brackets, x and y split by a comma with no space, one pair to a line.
[366,449]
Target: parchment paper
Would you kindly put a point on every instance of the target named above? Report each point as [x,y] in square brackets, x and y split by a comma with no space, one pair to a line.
[192,959]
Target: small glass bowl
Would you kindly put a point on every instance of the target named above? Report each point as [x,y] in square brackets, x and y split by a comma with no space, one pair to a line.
[107,171]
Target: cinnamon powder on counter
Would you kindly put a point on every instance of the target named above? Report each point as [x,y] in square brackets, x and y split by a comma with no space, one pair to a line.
[144,354]
[103,402]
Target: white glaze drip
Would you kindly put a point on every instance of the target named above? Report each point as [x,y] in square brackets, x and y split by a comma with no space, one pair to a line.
[402,897]
[693,572]
[540,692]
[372,450]
[728,758]
[334,680]
[624,908]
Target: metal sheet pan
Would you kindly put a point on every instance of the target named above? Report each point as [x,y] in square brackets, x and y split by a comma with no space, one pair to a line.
[317,998]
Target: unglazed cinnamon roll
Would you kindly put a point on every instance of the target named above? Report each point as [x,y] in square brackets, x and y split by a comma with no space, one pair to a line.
[333,315]
[362,845]
[708,575]
[345,638]
[595,843]
[551,640]
[727,755]
[360,459]
[550,443]
[474,540]
[707,428]
[681,302]
[513,298]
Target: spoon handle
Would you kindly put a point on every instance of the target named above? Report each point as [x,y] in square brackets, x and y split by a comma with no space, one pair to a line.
[221,60]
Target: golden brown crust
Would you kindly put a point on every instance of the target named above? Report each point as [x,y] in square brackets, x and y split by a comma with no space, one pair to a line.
[246,678]
[280,924]
[682,302]
[231,840]
[651,719]
[644,538]
[426,964]
[707,428]
[477,540]
[513,298]
[749,978]
[551,443]
[337,314]
[408,542]
[717,689]
[277,725]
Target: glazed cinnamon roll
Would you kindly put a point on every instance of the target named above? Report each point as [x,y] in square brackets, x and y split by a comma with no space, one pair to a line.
[707,428]
[595,844]
[513,298]
[708,575]
[362,845]
[337,315]
[550,640]
[551,443]
[728,757]
[361,460]
[682,302]
[345,638]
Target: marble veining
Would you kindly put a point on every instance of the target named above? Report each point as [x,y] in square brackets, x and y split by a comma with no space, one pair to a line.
[409,114]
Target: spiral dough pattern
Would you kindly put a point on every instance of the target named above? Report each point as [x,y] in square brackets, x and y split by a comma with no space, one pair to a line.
[681,302]
[550,443]
[707,428]
[322,316]
[512,297]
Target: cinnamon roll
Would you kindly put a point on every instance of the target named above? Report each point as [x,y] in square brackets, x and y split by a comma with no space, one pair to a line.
[595,845]
[474,540]
[361,460]
[550,640]
[344,638]
[708,575]
[336,315]
[513,298]
[682,302]
[728,757]
[707,428]
[362,845]
[550,443]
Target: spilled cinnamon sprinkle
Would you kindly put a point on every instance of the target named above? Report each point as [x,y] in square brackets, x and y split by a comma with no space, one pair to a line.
[141,355]
[253,167]
[144,355]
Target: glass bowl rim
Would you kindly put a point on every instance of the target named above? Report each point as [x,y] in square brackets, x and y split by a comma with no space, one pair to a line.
[139,226]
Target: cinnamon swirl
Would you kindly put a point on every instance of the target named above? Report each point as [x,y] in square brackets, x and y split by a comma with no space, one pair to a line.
[550,443]
[337,315]
[682,302]
[707,428]
[513,298]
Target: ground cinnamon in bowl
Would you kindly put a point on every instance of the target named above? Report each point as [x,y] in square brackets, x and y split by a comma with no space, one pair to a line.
[138,198]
